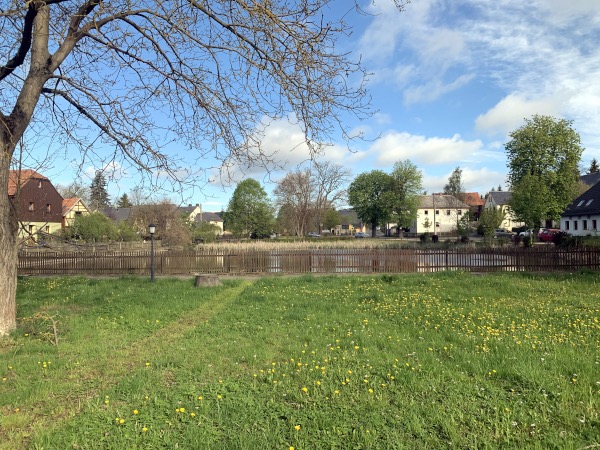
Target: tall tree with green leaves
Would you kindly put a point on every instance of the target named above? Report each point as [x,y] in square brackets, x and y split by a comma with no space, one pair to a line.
[249,212]
[528,200]
[98,195]
[547,150]
[371,194]
[407,188]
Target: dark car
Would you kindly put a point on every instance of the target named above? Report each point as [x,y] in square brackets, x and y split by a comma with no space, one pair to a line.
[360,234]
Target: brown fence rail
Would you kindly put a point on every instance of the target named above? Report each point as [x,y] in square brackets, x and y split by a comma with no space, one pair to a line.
[227,261]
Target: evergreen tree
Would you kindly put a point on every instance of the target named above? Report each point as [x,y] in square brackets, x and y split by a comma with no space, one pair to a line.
[98,195]
[123,202]
[594,166]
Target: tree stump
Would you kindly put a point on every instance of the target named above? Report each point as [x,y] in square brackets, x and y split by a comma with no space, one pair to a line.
[207,280]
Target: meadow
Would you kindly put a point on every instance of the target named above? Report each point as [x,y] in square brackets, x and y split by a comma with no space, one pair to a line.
[447,360]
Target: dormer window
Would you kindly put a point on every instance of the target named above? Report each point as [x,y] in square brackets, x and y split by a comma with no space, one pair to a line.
[39,184]
[589,202]
[580,203]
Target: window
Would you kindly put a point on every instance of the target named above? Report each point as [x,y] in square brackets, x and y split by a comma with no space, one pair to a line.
[567,225]
[447,212]
[31,206]
[77,213]
[589,202]
[437,211]
[30,229]
[580,203]
[459,212]
[575,225]
[426,212]
[48,229]
[585,224]
[594,225]
[39,184]
[48,208]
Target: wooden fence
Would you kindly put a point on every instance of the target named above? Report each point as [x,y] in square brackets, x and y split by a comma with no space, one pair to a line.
[376,260]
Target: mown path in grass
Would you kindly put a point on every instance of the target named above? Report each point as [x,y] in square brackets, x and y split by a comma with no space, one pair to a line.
[87,378]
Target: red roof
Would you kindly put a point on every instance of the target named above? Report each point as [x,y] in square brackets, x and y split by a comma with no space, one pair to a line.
[20,177]
[68,203]
[473,199]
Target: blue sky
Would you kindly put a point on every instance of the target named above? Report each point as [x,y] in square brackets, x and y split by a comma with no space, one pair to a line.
[451,79]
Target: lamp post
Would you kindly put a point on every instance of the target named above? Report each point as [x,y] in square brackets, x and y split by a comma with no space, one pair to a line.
[151,230]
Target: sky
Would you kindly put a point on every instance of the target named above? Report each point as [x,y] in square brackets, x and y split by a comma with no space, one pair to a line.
[450,80]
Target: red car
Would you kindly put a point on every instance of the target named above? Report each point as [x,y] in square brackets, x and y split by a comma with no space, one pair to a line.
[548,234]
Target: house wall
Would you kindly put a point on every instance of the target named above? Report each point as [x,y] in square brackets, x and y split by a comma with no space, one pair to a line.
[77,209]
[445,220]
[509,221]
[39,207]
[581,225]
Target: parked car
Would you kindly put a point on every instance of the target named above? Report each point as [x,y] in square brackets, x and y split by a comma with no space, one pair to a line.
[314,234]
[502,233]
[360,234]
[547,234]
[526,233]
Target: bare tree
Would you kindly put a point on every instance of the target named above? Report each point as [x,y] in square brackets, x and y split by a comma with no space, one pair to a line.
[294,201]
[75,189]
[139,75]
[329,182]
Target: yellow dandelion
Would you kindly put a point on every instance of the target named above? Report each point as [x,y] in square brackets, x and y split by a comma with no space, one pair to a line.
[297,428]
[145,429]
[305,389]
[135,412]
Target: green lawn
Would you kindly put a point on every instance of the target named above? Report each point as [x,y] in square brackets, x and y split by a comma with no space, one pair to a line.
[385,362]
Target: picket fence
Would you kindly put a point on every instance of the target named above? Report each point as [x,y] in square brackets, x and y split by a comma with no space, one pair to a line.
[360,261]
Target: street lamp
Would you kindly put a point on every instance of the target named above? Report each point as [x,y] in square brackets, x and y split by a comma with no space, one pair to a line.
[151,230]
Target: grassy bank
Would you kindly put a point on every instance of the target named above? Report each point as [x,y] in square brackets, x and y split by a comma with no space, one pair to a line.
[437,361]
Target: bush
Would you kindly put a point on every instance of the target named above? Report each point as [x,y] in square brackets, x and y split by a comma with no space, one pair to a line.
[425,237]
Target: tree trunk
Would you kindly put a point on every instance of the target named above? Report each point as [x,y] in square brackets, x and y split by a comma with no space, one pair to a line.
[8,254]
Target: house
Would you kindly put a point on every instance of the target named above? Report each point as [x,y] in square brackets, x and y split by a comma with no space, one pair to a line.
[37,202]
[500,200]
[475,202]
[117,214]
[582,216]
[350,223]
[438,214]
[72,208]
[210,217]
[590,179]
[190,212]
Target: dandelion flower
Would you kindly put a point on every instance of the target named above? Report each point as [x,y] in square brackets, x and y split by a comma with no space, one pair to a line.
[135,412]
[304,389]
[297,428]
[145,429]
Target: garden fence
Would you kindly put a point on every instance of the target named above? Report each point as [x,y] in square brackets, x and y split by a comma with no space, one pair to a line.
[285,261]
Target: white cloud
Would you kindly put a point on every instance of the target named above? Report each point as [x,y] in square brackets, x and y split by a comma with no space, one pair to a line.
[509,113]
[284,149]
[395,146]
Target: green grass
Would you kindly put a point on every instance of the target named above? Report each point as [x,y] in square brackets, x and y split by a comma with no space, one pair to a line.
[416,361]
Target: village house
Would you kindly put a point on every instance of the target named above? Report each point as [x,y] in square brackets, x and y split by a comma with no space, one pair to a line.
[438,214]
[499,200]
[582,216]
[37,202]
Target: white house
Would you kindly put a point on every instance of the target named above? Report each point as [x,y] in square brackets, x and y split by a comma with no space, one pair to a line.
[582,216]
[499,200]
[440,211]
